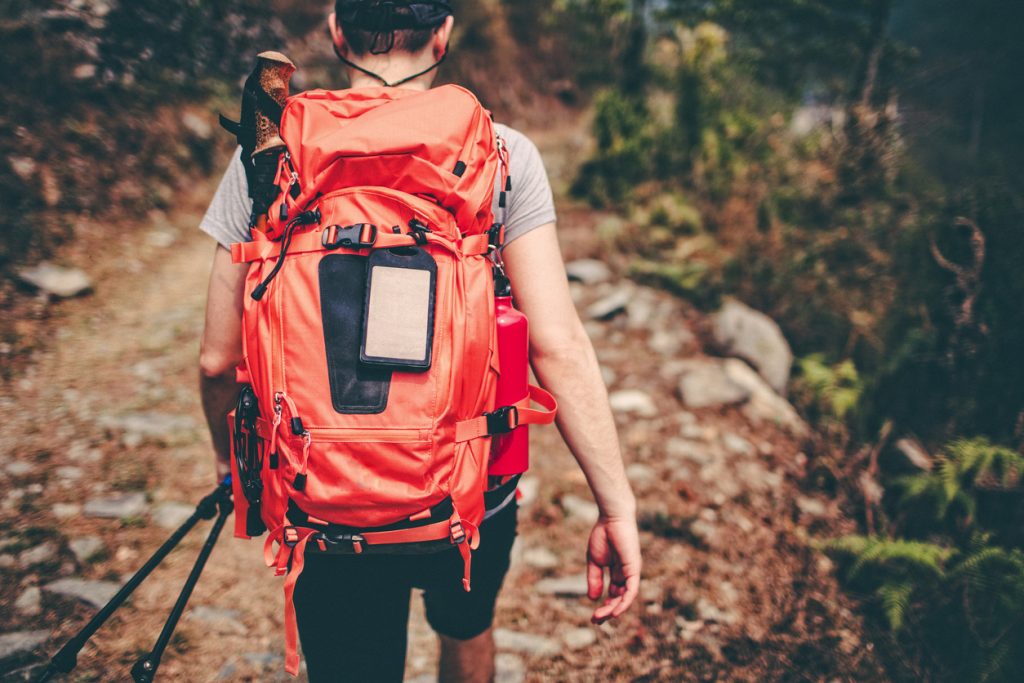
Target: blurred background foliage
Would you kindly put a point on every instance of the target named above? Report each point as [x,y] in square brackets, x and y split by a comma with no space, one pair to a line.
[850,167]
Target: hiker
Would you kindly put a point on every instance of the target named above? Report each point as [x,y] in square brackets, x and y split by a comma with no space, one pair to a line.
[352,610]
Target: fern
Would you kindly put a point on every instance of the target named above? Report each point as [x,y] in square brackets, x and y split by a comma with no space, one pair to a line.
[890,558]
[963,593]
[835,388]
[950,487]
[896,602]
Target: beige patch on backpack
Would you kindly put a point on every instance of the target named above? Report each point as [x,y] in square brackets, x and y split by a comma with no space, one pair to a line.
[398,315]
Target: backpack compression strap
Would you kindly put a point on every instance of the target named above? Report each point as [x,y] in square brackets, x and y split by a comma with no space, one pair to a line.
[506,418]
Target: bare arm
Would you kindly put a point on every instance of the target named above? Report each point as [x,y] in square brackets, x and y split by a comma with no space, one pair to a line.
[564,360]
[221,351]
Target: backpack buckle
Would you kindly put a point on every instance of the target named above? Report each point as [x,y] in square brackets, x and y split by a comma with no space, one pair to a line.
[350,236]
[458,534]
[290,536]
[418,230]
[496,236]
[502,421]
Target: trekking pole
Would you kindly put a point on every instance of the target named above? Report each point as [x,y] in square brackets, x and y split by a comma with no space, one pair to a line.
[66,658]
[145,669]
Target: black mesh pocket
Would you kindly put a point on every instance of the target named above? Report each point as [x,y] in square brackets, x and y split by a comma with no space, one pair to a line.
[355,388]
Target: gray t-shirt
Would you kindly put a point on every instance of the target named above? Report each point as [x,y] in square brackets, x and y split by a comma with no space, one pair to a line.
[530,204]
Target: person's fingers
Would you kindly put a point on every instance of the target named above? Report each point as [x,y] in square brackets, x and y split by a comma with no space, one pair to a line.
[629,595]
[595,579]
[605,611]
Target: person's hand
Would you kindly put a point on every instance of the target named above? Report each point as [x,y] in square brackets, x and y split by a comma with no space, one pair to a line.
[614,545]
[223,468]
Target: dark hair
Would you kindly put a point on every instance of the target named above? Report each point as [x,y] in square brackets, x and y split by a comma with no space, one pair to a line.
[381,37]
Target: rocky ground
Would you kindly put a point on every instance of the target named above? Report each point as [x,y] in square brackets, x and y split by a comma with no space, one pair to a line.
[105,453]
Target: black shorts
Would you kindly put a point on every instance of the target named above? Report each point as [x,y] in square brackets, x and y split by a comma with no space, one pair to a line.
[353,610]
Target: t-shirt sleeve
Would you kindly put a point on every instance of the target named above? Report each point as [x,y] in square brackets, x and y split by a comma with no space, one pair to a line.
[227,217]
[530,203]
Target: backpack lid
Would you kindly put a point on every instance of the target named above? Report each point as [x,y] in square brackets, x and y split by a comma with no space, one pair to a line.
[438,144]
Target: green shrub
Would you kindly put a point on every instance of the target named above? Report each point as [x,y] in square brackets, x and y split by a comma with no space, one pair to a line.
[955,595]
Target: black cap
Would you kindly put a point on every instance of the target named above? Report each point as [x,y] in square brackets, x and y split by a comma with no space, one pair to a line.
[392,15]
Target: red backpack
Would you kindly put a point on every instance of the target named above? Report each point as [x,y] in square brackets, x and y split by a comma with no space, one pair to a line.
[369,333]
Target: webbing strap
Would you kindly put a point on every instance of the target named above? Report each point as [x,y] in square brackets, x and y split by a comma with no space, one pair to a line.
[430,532]
[260,248]
[291,626]
[289,559]
[477,427]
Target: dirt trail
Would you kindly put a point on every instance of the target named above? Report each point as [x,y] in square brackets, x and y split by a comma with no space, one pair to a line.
[732,591]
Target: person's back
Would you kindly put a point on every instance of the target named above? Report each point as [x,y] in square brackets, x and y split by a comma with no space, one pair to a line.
[352,610]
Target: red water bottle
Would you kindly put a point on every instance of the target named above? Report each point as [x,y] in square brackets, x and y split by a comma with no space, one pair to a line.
[510,453]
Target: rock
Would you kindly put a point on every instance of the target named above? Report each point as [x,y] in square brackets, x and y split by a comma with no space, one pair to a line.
[579,638]
[169,515]
[757,477]
[641,474]
[197,125]
[764,405]
[705,384]
[19,468]
[642,311]
[915,453]
[117,507]
[66,510]
[509,669]
[19,646]
[570,586]
[706,531]
[812,507]
[751,335]
[82,453]
[227,672]
[56,280]
[608,375]
[94,593]
[423,678]
[737,444]
[23,167]
[722,479]
[8,561]
[709,612]
[68,473]
[30,602]
[540,558]
[220,620]
[633,401]
[84,71]
[671,342]
[588,271]
[528,488]
[688,449]
[525,643]
[161,238]
[578,508]
[161,428]
[38,554]
[611,305]
[85,547]
[262,659]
